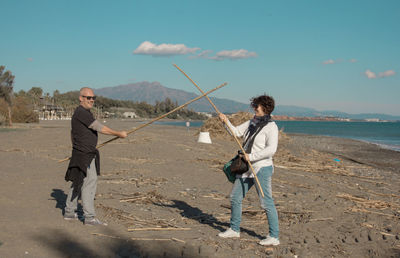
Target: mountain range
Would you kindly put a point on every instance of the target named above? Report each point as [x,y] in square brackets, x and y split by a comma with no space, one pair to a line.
[151,92]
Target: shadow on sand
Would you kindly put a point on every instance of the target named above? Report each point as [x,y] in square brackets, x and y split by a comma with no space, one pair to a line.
[110,244]
[67,245]
[107,244]
[60,197]
[198,215]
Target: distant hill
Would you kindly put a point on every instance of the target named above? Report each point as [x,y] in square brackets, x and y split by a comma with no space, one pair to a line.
[151,92]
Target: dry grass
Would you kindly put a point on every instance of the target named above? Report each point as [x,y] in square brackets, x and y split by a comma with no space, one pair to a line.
[216,129]
[152,197]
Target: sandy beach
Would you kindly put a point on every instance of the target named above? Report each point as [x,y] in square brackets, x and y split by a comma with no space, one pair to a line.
[165,195]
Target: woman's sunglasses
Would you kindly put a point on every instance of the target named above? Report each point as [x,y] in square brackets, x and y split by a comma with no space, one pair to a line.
[90,97]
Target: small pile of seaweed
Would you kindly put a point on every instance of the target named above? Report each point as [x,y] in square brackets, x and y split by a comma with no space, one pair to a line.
[216,128]
[152,197]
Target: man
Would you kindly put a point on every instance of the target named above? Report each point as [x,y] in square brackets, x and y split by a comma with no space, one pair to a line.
[84,166]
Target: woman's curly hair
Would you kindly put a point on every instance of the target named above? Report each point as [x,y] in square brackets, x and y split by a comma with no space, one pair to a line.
[267,103]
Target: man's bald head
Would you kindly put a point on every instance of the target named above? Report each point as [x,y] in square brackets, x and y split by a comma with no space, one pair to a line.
[86,91]
[86,97]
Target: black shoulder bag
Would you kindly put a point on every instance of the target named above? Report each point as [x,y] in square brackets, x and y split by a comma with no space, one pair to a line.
[238,165]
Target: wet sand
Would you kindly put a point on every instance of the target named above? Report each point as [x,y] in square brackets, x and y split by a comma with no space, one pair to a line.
[164,194]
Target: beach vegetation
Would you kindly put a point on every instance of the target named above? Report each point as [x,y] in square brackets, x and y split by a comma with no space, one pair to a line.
[6,90]
[23,112]
[35,93]
[146,110]
[105,106]
[27,105]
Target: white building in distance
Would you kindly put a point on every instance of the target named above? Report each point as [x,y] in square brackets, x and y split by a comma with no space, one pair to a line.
[129,115]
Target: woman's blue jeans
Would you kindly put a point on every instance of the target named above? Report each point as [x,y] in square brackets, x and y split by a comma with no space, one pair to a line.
[239,190]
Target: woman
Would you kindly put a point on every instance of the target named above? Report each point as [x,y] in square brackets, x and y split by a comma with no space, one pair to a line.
[260,155]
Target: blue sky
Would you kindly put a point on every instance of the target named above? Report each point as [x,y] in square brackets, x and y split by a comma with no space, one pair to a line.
[328,55]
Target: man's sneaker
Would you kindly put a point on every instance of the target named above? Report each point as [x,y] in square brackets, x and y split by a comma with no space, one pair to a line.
[229,233]
[270,241]
[71,216]
[94,222]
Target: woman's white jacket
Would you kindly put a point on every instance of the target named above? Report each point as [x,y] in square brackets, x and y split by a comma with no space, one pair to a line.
[264,147]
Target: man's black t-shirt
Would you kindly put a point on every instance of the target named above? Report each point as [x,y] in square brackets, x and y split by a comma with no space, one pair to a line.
[84,139]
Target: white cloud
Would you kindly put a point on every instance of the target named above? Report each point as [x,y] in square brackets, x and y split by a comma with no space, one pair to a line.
[148,48]
[233,54]
[372,75]
[387,73]
[202,54]
[339,60]
[369,74]
[330,61]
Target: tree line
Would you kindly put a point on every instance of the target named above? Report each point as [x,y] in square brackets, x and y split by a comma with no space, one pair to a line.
[24,106]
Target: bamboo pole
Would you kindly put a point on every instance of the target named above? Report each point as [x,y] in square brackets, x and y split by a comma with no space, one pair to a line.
[157,239]
[157,118]
[232,133]
[155,229]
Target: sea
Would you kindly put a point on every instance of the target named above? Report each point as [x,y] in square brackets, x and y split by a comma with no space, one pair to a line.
[384,134]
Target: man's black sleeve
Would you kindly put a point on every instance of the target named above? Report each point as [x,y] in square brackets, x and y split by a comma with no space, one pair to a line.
[85,117]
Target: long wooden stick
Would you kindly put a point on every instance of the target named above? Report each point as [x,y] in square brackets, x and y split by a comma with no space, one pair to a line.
[149,229]
[158,239]
[232,133]
[157,118]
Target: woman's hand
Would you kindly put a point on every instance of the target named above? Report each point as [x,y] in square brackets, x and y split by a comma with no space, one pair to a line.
[246,157]
[223,118]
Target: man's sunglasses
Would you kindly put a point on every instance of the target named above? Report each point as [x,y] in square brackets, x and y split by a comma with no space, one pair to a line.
[90,97]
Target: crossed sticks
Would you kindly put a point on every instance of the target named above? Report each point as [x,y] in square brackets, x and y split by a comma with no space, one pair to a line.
[232,133]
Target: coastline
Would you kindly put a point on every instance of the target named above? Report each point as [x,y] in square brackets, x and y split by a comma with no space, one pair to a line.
[394,148]
[361,152]
[383,144]
[160,177]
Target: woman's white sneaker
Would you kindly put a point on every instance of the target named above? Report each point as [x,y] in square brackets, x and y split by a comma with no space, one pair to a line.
[229,233]
[269,241]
